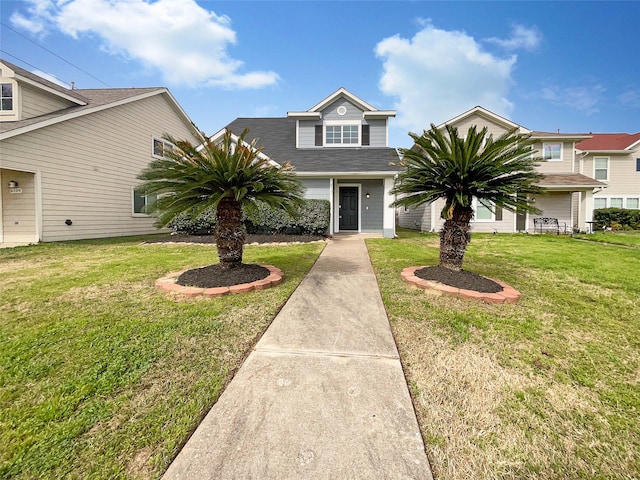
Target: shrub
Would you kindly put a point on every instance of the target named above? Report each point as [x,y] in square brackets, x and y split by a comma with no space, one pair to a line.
[616,217]
[313,218]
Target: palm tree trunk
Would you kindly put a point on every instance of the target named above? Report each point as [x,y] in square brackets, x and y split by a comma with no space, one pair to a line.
[454,237]
[229,233]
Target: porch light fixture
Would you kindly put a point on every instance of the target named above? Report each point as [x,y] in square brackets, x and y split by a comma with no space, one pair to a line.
[367,195]
[13,184]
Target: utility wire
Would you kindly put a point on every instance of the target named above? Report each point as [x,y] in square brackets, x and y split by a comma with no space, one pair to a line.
[52,53]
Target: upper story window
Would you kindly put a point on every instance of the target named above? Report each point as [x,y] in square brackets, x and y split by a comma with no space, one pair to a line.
[601,168]
[552,152]
[6,97]
[160,147]
[342,135]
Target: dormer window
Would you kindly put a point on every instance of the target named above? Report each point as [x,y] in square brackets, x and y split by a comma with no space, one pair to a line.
[6,97]
[341,134]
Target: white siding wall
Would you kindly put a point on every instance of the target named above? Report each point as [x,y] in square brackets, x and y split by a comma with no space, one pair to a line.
[623,178]
[89,165]
[555,205]
[35,102]
[555,166]
[18,216]
[480,122]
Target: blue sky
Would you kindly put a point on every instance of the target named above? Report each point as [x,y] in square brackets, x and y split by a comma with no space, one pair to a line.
[571,66]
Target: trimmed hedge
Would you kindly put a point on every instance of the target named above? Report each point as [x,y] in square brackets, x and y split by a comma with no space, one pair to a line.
[312,218]
[616,217]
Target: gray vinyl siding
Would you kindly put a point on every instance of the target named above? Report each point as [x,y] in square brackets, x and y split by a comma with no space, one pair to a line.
[378,132]
[317,188]
[35,102]
[372,208]
[415,218]
[306,133]
[88,167]
[331,111]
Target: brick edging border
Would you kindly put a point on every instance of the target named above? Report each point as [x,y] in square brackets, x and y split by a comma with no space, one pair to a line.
[507,295]
[169,285]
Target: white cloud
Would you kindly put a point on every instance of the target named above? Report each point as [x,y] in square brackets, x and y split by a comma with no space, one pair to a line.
[630,98]
[182,40]
[583,99]
[521,38]
[439,74]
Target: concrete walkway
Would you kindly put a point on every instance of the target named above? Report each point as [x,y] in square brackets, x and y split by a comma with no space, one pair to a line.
[322,396]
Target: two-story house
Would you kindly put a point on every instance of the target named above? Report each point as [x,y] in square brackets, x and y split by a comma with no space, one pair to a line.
[570,192]
[69,158]
[613,159]
[339,149]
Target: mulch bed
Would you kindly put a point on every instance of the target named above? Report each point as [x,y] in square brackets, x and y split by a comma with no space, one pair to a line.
[213,276]
[462,279]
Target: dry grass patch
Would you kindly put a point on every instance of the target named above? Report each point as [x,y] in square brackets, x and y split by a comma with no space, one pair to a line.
[547,388]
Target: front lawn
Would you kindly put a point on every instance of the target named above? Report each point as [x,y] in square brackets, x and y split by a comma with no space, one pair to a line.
[547,388]
[104,376]
[629,238]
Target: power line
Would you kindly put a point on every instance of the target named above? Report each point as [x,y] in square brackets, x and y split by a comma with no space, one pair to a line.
[52,53]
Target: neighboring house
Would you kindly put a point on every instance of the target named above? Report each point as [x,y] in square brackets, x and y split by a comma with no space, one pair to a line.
[613,159]
[570,193]
[69,158]
[339,149]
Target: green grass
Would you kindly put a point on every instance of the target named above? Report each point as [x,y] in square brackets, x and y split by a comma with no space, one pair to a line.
[104,376]
[630,238]
[547,388]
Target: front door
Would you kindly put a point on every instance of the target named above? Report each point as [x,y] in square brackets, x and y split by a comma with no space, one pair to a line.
[348,211]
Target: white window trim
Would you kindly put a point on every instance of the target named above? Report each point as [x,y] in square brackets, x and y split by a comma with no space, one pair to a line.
[153,149]
[15,112]
[474,205]
[133,205]
[561,151]
[607,199]
[608,168]
[334,123]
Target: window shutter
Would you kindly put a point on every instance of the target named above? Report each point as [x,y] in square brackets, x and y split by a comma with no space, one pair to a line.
[637,164]
[498,214]
[365,135]
[318,135]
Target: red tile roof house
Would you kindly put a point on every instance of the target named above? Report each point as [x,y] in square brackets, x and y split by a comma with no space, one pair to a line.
[570,188]
[613,159]
[339,149]
[69,158]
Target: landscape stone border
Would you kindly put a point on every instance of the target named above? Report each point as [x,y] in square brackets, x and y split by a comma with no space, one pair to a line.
[507,295]
[169,285]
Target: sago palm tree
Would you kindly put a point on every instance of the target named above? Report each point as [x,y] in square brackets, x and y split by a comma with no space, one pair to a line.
[498,173]
[226,176]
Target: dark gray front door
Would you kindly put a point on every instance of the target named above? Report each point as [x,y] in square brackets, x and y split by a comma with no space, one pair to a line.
[348,208]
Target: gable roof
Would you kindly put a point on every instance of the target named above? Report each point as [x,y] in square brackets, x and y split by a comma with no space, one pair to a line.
[87,101]
[483,112]
[278,137]
[369,110]
[26,76]
[609,142]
